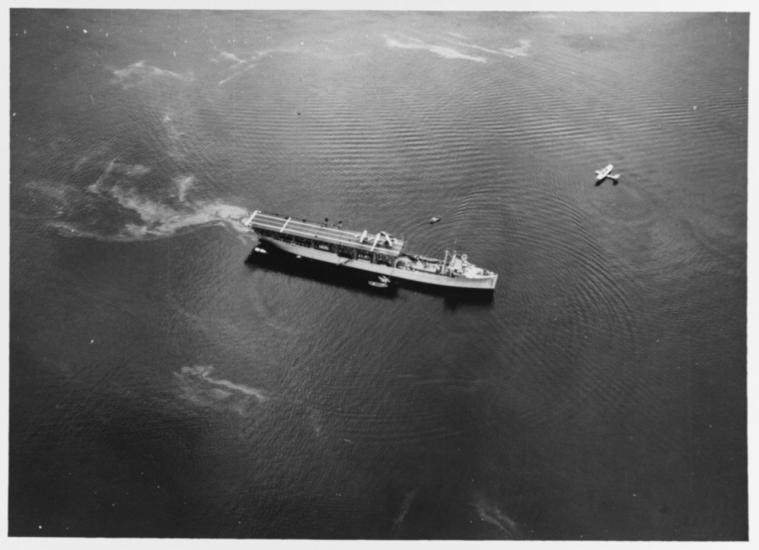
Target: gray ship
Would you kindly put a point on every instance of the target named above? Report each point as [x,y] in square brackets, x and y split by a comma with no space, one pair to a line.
[379,253]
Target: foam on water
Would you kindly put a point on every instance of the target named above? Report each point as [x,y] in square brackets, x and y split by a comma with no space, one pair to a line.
[238,66]
[184,184]
[518,51]
[196,385]
[139,72]
[447,52]
[490,513]
[408,498]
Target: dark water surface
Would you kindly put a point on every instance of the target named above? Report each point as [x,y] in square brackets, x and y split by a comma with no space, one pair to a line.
[161,386]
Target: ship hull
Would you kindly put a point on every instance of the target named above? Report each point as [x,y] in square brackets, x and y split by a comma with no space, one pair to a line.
[481,283]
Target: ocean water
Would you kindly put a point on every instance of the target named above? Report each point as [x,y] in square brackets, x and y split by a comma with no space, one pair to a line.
[163,386]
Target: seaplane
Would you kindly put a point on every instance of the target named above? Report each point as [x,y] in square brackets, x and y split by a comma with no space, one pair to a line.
[605,173]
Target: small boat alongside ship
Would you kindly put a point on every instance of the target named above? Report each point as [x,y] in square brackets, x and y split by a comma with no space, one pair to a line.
[378,253]
[381,282]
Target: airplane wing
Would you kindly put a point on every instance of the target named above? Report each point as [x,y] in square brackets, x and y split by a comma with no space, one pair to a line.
[605,170]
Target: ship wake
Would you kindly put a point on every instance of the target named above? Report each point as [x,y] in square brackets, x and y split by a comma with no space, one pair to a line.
[125,202]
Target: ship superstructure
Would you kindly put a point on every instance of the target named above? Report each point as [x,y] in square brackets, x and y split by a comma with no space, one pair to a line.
[379,253]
